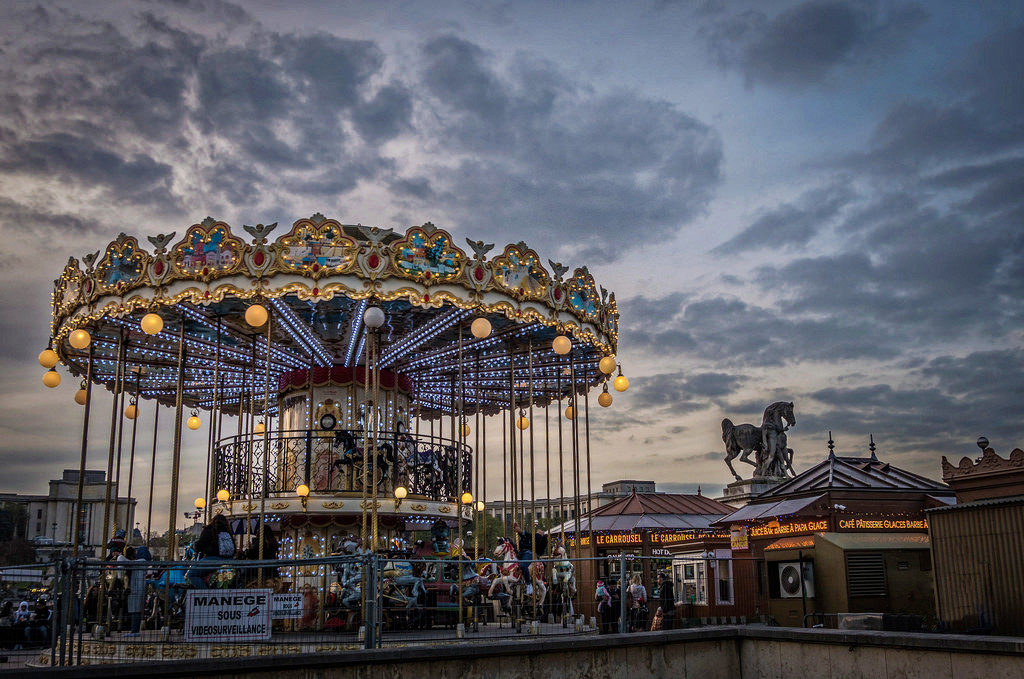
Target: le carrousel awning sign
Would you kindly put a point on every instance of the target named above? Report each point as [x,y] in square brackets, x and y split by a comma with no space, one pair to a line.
[228,615]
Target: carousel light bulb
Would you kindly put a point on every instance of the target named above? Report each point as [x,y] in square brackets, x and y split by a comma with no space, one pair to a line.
[48,358]
[605,399]
[480,505]
[200,503]
[480,328]
[80,396]
[152,324]
[607,365]
[223,495]
[523,422]
[401,493]
[373,317]
[302,490]
[570,413]
[80,339]
[260,428]
[194,422]
[256,315]
[467,498]
[131,411]
[464,429]
[561,345]
[51,378]
[621,383]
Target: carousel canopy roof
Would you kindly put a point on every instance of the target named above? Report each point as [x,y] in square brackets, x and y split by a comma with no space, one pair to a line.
[316,281]
[667,511]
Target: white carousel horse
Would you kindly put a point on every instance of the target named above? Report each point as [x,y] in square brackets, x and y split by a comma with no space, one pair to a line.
[508,572]
[563,575]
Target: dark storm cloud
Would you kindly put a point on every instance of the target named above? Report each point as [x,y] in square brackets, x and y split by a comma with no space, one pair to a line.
[735,333]
[808,43]
[84,162]
[791,224]
[955,400]
[682,392]
[539,154]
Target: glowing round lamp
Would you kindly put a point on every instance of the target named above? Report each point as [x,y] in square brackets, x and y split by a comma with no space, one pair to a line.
[607,365]
[464,429]
[200,503]
[194,422]
[223,495]
[80,339]
[523,422]
[467,498]
[131,411]
[604,400]
[480,328]
[256,315]
[302,490]
[48,358]
[561,345]
[570,413]
[373,317]
[51,378]
[621,383]
[80,396]
[401,493]
[480,505]
[260,428]
[152,324]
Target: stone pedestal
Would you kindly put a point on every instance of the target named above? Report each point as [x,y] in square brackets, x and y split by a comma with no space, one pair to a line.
[740,493]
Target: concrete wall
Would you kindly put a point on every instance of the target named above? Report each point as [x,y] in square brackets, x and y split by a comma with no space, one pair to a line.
[708,653]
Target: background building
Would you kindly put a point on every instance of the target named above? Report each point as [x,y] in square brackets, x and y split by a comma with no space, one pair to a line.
[978,545]
[48,521]
[558,509]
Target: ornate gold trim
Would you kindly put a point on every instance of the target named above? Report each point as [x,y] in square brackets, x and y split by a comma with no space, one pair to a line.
[332,505]
[418,508]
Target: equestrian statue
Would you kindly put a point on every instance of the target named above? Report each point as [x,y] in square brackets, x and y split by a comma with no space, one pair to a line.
[767,442]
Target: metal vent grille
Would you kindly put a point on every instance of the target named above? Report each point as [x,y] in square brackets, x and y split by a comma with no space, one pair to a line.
[865,574]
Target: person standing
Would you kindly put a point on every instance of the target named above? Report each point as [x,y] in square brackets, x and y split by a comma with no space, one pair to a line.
[136,587]
[667,598]
[638,613]
[215,542]
[604,607]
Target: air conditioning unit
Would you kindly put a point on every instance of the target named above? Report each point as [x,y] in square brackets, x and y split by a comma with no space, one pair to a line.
[791,584]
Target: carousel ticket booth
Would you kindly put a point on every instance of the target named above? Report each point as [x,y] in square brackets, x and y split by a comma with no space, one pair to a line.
[848,536]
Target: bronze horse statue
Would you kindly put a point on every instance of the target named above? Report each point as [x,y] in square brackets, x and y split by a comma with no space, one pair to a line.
[767,442]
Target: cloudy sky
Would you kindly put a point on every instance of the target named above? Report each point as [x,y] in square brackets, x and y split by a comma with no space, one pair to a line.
[815,201]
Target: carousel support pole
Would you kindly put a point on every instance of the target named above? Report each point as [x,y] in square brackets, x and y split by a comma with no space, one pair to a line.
[118,378]
[375,413]
[561,464]
[77,522]
[211,447]
[461,439]
[266,454]
[586,437]
[120,440]
[179,395]
[248,447]
[576,462]
[533,489]
[152,476]
[131,458]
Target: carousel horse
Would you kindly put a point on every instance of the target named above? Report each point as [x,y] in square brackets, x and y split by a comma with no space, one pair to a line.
[563,576]
[402,586]
[471,584]
[540,586]
[509,572]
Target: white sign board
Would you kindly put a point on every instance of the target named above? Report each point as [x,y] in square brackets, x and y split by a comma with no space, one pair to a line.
[228,615]
[288,605]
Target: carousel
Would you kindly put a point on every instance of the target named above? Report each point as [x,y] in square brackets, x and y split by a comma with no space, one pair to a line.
[354,382]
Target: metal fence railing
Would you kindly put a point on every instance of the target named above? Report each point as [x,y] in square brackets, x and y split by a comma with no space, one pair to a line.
[142,611]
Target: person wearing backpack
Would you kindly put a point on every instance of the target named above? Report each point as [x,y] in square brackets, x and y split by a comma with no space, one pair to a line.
[215,542]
